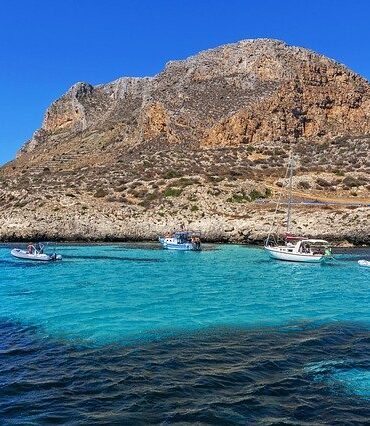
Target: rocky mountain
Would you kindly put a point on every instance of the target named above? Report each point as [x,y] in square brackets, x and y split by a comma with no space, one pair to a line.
[205,142]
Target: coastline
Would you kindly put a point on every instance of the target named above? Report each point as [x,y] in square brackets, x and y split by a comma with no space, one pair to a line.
[336,244]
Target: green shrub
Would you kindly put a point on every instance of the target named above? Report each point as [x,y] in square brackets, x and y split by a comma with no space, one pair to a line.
[171,174]
[172,192]
[338,172]
[254,195]
[323,183]
[182,182]
[352,182]
[241,197]
[268,192]
[303,184]
[238,198]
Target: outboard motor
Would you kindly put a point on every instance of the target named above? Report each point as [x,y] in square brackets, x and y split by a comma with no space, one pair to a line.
[55,256]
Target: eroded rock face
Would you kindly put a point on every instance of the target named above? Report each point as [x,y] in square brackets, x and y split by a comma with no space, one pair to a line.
[69,112]
[246,92]
[299,109]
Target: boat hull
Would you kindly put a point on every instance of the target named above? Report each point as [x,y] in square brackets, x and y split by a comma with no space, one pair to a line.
[180,247]
[275,253]
[22,254]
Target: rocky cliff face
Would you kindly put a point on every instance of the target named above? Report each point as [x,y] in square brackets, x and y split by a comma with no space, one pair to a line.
[195,142]
[252,91]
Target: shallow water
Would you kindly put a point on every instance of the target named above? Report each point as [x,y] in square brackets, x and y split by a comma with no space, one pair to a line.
[130,333]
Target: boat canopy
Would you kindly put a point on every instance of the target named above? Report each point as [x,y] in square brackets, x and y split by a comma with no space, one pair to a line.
[187,234]
[316,242]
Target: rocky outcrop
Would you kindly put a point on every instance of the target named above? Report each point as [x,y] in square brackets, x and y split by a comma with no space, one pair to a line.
[298,110]
[203,141]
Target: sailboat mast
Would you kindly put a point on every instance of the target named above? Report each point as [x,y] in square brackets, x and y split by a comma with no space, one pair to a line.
[290,195]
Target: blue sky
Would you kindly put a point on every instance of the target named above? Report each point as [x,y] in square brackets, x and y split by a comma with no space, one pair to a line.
[46,46]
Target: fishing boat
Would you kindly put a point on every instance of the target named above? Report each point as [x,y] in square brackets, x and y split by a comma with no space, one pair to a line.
[181,240]
[290,247]
[35,253]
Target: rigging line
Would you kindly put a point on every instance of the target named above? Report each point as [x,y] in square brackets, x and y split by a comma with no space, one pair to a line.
[279,199]
[288,216]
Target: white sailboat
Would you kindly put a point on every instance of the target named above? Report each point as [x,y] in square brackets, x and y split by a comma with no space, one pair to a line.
[294,248]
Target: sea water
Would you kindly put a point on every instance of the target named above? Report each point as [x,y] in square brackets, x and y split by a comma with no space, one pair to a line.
[133,333]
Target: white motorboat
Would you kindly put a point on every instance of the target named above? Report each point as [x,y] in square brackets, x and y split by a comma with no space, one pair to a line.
[182,240]
[364,262]
[292,248]
[33,253]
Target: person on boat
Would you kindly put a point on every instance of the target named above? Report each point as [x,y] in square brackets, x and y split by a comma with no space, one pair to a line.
[196,242]
[30,248]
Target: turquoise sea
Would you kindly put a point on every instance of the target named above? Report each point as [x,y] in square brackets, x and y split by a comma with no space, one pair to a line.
[132,333]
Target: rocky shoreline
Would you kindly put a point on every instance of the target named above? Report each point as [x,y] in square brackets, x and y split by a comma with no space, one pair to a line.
[341,244]
[342,226]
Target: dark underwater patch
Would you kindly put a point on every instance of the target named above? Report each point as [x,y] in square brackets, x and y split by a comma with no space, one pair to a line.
[218,376]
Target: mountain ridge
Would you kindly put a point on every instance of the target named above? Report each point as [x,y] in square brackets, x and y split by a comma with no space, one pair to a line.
[116,90]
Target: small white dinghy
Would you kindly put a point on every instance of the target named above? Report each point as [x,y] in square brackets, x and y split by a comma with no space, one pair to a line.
[33,253]
[364,262]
